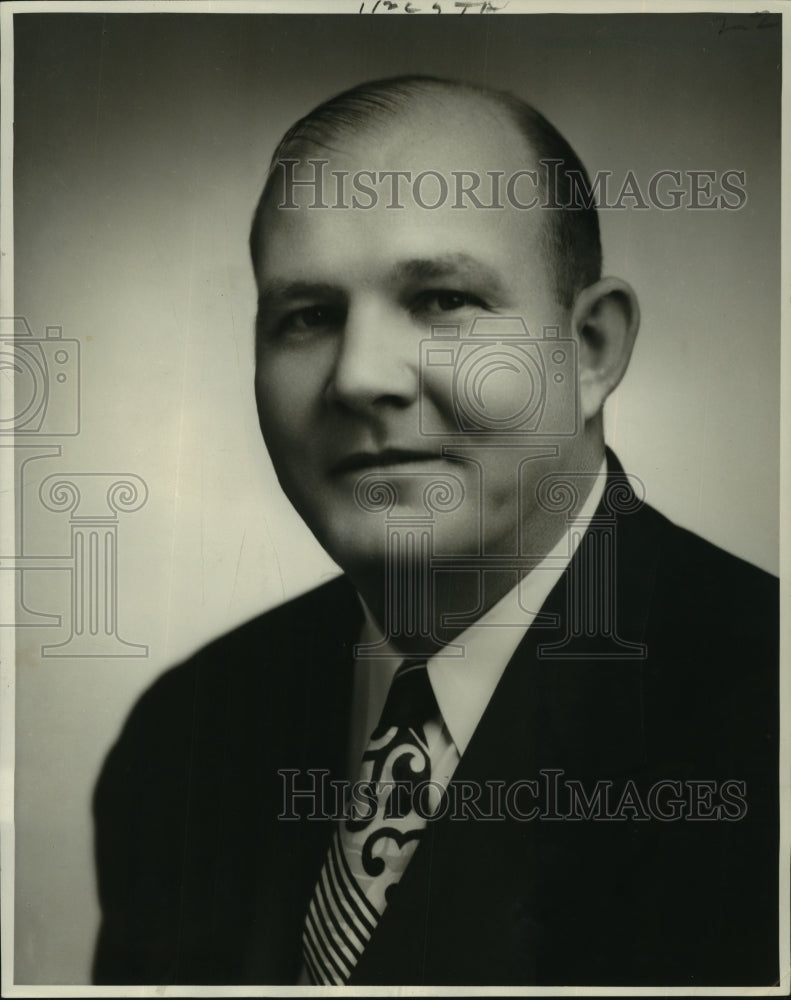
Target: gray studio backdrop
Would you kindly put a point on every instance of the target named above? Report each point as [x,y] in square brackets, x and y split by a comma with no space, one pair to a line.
[141,142]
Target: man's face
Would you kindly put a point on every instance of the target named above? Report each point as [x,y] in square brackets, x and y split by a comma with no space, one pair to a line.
[349,389]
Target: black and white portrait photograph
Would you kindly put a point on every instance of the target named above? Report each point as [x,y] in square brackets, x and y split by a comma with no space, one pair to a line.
[394,466]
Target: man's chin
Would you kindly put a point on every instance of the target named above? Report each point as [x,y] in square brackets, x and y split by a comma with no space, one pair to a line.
[398,542]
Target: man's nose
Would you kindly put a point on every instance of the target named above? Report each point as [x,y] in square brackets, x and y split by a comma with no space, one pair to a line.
[377,360]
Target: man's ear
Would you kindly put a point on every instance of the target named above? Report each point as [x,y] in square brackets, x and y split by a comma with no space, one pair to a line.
[605,319]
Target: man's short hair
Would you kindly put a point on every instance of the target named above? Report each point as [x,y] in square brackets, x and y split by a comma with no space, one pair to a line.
[571,235]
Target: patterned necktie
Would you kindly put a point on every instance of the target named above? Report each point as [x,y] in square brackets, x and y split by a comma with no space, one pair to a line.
[372,847]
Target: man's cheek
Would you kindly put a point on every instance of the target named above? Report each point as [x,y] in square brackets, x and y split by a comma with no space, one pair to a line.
[279,433]
[437,411]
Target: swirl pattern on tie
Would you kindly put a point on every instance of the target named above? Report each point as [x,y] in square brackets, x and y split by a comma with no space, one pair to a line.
[372,847]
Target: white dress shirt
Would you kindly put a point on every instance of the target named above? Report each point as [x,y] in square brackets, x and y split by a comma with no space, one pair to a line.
[463,684]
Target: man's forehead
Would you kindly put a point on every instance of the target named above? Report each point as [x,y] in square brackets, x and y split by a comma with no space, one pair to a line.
[337,203]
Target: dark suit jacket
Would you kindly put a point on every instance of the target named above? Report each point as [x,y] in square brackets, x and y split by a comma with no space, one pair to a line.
[200,882]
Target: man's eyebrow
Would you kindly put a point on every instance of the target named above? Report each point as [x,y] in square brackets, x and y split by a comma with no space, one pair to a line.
[272,292]
[438,268]
[450,265]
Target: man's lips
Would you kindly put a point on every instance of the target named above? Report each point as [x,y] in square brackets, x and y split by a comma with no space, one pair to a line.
[388,458]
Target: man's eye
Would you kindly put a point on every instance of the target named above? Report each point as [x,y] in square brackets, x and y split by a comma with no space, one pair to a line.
[311,318]
[447,300]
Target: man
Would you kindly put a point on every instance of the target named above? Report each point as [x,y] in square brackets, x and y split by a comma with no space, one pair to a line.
[593,707]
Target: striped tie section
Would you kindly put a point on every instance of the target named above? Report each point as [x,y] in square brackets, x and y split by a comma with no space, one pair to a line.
[339,923]
[371,850]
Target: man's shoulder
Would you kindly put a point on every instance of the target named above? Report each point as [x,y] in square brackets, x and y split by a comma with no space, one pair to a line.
[691,559]
[266,637]
[707,617]
[705,577]
[680,573]
[710,626]
[253,661]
